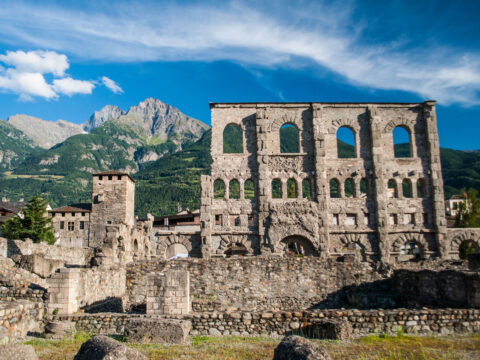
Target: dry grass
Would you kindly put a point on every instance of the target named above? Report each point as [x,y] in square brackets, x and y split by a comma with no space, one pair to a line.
[204,347]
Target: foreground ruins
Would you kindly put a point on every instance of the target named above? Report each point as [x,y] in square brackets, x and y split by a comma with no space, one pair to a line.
[297,239]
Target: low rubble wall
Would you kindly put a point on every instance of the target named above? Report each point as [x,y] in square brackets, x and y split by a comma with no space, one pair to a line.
[363,322]
[18,318]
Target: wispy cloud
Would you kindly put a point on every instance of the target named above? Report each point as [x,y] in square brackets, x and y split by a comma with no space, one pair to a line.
[112,85]
[25,76]
[249,34]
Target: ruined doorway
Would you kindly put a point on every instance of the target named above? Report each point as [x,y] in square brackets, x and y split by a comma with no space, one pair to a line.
[298,246]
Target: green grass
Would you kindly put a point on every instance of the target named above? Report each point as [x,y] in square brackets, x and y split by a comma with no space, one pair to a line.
[382,347]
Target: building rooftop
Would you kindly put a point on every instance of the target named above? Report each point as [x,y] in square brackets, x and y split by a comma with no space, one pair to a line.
[73,208]
[12,206]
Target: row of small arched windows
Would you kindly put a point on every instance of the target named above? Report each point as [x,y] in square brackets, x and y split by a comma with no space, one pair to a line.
[292,188]
[219,190]
[407,188]
[290,141]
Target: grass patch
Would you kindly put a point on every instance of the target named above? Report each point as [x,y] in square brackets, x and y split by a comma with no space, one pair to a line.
[381,347]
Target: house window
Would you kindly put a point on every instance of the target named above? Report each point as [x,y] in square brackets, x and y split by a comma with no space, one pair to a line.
[81,225]
[251,220]
[83,214]
[109,177]
[410,219]
[62,225]
[119,177]
[63,214]
[71,226]
[218,219]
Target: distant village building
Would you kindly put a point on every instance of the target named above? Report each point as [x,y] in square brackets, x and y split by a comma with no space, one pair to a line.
[71,225]
[452,205]
[10,208]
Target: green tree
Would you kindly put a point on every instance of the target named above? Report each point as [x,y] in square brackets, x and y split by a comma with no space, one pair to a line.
[35,224]
[469,211]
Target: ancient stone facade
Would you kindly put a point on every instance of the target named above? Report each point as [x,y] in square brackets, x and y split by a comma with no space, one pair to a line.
[373,204]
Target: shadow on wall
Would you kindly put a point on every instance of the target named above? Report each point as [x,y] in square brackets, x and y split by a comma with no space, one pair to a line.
[410,289]
[110,304]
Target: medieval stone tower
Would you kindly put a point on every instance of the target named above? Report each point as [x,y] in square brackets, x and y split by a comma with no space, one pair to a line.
[113,201]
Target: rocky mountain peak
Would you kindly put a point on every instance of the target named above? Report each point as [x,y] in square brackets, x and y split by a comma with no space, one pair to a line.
[108,112]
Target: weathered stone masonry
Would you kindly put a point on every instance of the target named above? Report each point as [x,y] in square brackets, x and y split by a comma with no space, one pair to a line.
[378,220]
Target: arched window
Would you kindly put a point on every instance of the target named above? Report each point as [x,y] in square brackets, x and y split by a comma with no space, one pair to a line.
[392,189]
[289,141]
[219,189]
[345,143]
[232,139]
[402,145]
[334,188]
[234,189]
[349,188]
[291,189]
[363,187]
[412,251]
[276,189]
[237,249]
[306,189]
[175,251]
[407,188]
[249,189]
[421,188]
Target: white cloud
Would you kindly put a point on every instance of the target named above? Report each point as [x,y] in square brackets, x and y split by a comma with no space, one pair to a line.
[326,34]
[42,62]
[69,86]
[25,75]
[112,85]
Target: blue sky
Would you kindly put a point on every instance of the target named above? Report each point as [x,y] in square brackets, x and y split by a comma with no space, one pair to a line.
[65,60]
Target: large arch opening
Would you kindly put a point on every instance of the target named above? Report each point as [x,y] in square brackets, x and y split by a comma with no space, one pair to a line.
[289,139]
[232,139]
[297,245]
[249,189]
[411,251]
[176,251]
[402,143]
[345,143]
[466,248]
[291,189]
[219,189]
[234,189]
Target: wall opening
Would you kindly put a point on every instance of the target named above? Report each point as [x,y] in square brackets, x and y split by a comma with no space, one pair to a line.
[421,188]
[345,143]
[349,188]
[135,246]
[307,189]
[402,144]
[219,189]
[176,251]
[237,249]
[232,139]
[363,188]
[466,248]
[291,189]
[298,246]
[249,189]
[234,189]
[289,139]
[392,189]
[334,188]
[407,188]
[411,251]
[276,189]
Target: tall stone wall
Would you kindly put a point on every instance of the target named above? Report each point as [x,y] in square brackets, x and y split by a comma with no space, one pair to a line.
[376,220]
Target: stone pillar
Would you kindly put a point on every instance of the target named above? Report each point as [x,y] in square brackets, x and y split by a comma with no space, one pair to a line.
[436,180]
[63,290]
[263,179]
[168,293]
[379,182]
[206,221]
[320,185]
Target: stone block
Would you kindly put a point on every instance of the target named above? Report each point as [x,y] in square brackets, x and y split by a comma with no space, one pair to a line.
[298,348]
[325,329]
[102,347]
[59,330]
[17,352]
[144,330]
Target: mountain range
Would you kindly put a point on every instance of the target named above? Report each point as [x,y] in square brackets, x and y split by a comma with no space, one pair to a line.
[163,149]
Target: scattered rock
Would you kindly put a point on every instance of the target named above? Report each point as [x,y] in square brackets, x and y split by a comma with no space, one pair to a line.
[102,348]
[17,352]
[142,330]
[59,330]
[326,329]
[297,348]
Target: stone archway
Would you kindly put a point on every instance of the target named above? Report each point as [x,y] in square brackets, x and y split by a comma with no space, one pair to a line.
[166,242]
[409,247]
[464,244]
[297,245]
